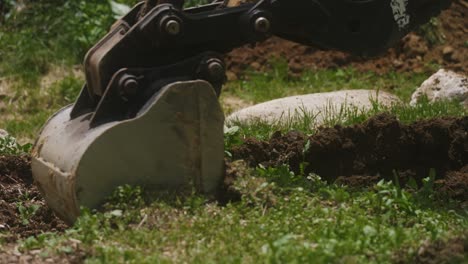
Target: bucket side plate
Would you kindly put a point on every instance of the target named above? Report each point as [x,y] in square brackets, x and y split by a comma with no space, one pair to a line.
[175,141]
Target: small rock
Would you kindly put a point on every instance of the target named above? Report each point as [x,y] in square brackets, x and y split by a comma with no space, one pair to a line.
[398,63]
[3,133]
[231,76]
[448,50]
[443,85]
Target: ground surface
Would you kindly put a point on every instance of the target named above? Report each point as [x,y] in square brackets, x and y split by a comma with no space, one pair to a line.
[350,156]
[381,146]
[395,190]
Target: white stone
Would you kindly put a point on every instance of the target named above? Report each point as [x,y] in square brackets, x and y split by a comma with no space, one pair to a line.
[3,133]
[320,106]
[443,85]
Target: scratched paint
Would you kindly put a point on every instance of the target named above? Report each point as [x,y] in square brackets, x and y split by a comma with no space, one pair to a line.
[400,13]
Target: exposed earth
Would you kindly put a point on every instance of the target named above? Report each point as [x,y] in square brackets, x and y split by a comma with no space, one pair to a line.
[444,42]
[23,211]
[382,147]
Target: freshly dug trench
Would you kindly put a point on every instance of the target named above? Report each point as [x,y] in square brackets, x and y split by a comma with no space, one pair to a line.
[381,146]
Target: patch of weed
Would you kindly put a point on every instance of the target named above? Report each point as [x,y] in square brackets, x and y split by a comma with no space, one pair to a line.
[432,32]
[50,32]
[281,218]
[30,108]
[9,146]
[276,83]
[346,115]
[27,211]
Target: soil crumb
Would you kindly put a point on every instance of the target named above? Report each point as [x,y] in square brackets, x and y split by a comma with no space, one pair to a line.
[382,146]
[455,184]
[23,211]
[227,193]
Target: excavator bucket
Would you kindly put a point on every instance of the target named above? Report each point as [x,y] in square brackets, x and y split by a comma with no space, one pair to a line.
[171,143]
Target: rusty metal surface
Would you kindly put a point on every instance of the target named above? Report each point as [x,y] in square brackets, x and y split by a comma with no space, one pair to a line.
[172,143]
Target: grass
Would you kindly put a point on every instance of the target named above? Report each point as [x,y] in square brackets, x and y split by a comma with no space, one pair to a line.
[28,108]
[276,83]
[282,218]
[305,121]
[30,105]
[36,35]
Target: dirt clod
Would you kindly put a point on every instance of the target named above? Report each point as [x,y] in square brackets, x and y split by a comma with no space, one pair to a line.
[455,184]
[382,146]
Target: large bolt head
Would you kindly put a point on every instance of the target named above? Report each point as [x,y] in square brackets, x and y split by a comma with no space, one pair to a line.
[172,27]
[216,69]
[262,25]
[130,86]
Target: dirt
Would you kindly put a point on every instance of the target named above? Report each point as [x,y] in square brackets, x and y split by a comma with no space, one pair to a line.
[18,193]
[414,53]
[381,147]
[451,251]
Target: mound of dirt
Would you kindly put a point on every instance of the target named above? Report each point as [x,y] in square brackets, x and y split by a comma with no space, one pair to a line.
[23,211]
[381,146]
[412,54]
[451,251]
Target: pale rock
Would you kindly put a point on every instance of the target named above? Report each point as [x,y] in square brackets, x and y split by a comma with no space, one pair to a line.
[448,50]
[320,106]
[443,85]
[3,133]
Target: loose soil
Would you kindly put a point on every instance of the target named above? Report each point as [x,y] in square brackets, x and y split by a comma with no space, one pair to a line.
[454,250]
[451,251]
[414,53]
[381,147]
[18,193]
